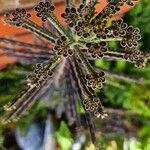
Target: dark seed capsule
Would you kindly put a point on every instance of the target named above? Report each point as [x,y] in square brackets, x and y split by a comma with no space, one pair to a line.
[117,8]
[17,10]
[41,4]
[47,4]
[85,35]
[59,42]
[126,56]
[88,45]
[18,24]
[116,33]
[81,6]
[23,11]
[103,43]
[39,15]
[102,79]
[138,37]
[79,33]
[119,21]
[123,43]
[70,52]
[73,10]
[91,50]
[28,15]
[124,25]
[37,8]
[104,49]
[98,35]
[36,71]
[79,10]
[63,15]
[130,43]
[63,38]
[103,36]
[67,10]
[44,18]
[80,24]
[101,74]
[52,7]
[59,52]
[45,77]
[93,55]
[40,66]
[135,44]
[136,30]
[77,28]
[100,55]
[50,73]
[56,48]
[122,32]
[106,31]
[65,54]
[71,25]
[130,3]
[6,14]
[130,29]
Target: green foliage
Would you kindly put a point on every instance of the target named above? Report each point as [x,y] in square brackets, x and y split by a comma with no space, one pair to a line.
[63,136]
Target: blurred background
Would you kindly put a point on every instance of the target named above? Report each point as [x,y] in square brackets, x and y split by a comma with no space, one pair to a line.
[126,97]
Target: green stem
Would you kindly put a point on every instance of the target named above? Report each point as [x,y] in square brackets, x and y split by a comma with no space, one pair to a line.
[85,61]
[54,21]
[31,26]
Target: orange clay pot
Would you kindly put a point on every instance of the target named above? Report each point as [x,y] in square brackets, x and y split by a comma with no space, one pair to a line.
[8,31]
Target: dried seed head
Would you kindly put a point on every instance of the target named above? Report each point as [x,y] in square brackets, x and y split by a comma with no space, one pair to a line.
[18,17]
[43,9]
[95,81]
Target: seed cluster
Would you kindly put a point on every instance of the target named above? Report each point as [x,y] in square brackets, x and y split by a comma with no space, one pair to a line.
[40,74]
[97,50]
[136,57]
[118,28]
[130,36]
[121,2]
[61,47]
[78,19]
[95,80]
[43,9]
[93,105]
[114,6]
[19,16]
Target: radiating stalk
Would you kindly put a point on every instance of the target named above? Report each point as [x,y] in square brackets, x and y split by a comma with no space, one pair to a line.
[85,61]
[33,27]
[121,76]
[54,21]
[22,53]
[22,44]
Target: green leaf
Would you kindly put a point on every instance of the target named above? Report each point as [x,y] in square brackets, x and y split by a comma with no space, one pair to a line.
[63,136]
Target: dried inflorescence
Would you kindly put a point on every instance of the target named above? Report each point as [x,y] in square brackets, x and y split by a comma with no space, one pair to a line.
[18,16]
[86,36]
[95,80]
[137,57]
[44,9]
[61,47]
[97,50]
[40,73]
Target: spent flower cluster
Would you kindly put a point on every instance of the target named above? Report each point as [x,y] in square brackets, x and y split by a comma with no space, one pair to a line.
[85,37]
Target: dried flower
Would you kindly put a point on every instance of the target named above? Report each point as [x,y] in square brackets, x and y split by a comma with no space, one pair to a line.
[86,36]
